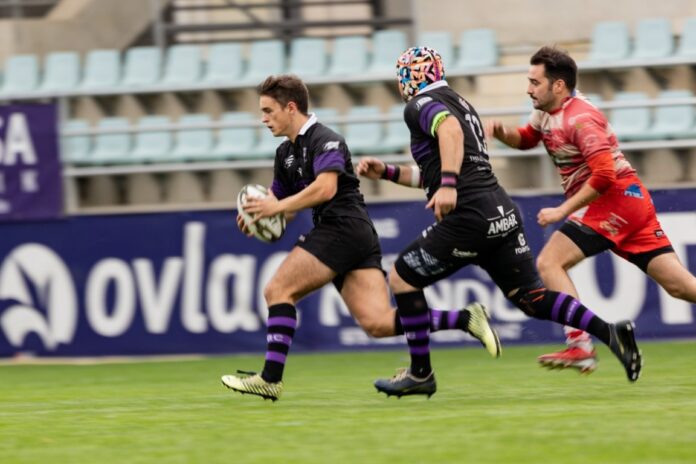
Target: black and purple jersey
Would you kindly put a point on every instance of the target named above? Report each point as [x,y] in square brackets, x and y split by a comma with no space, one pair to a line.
[423,115]
[318,149]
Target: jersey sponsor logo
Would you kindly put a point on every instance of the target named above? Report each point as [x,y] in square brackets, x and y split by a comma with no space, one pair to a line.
[659,233]
[523,248]
[501,225]
[613,224]
[289,161]
[633,191]
[463,254]
[333,145]
[464,104]
[422,101]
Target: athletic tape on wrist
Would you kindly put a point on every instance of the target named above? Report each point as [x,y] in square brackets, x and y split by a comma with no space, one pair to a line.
[415,176]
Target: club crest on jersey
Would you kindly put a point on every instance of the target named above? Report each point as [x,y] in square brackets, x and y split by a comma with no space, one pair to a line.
[633,191]
[289,161]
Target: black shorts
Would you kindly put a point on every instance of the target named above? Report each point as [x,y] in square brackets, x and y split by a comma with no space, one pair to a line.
[485,230]
[343,244]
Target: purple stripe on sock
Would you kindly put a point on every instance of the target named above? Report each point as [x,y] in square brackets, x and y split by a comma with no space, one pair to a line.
[557,306]
[435,318]
[417,334]
[279,338]
[284,321]
[420,350]
[415,320]
[452,317]
[586,318]
[275,356]
[571,310]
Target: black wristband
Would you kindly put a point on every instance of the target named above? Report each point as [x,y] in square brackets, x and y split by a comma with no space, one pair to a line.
[391,172]
[448,179]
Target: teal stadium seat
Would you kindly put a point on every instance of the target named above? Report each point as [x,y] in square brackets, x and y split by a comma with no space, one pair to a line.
[61,72]
[236,142]
[387,45]
[478,48]
[21,75]
[687,43]
[142,67]
[398,137]
[610,42]
[325,115]
[183,65]
[653,39]
[266,57]
[111,148]
[349,57]
[225,63]
[152,146]
[308,57]
[673,122]
[630,123]
[440,41]
[192,144]
[364,137]
[102,70]
[268,143]
[75,149]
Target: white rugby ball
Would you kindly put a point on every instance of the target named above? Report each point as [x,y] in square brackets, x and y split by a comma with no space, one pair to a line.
[267,229]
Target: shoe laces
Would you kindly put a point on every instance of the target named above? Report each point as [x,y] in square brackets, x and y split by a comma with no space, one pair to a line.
[400,375]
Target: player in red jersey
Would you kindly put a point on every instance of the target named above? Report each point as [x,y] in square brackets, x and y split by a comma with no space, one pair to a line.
[606,206]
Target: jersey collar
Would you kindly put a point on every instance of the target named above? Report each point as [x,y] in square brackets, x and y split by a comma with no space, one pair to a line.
[433,86]
[310,122]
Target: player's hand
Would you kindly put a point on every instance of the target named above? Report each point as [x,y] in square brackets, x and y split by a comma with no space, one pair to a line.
[243,226]
[549,216]
[372,168]
[443,202]
[260,208]
[495,129]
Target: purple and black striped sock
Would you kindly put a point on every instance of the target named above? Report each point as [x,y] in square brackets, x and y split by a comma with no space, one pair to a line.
[570,311]
[282,321]
[415,319]
[446,320]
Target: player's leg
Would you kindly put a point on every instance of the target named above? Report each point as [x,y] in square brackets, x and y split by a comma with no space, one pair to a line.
[670,274]
[298,275]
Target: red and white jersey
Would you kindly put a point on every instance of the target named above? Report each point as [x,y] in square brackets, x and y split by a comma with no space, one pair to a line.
[573,134]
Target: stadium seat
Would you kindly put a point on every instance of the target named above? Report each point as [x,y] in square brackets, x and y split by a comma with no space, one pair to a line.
[21,75]
[235,142]
[183,65]
[266,57]
[152,146]
[102,70]
[111,148]
[673,121]
[349,56]
[687,43]
[308,57]
[192,144]
[224,63]
[142,67]
[387,45]
[75,149]
[610,41]
[440,41]
[478,48]
[61,72]
[398,136]
[324,114]
[364,137]
[653,39]
[630,123]
[268,143]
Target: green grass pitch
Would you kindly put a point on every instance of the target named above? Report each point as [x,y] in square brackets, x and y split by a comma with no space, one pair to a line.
[485,411]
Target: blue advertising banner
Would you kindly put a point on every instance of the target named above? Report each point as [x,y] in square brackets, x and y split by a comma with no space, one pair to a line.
[31,184]
[192,283]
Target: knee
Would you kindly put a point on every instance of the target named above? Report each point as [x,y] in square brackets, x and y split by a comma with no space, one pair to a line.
[546,265]
[396,283]
[274,293]
[676,290]
[375,328]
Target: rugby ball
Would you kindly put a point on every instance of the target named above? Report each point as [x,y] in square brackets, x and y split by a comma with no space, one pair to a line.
[267,229]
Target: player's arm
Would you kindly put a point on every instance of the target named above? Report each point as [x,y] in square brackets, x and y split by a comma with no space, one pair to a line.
[321,190]
[450,139]
[522,138]
[373,168]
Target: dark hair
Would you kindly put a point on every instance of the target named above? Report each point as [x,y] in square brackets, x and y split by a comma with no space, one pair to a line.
[558,65]
[285,88]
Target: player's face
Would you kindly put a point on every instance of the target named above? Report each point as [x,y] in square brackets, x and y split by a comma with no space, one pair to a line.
[275,116]
[540,88]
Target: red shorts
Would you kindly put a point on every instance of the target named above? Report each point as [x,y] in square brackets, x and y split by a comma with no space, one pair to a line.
[625,215]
